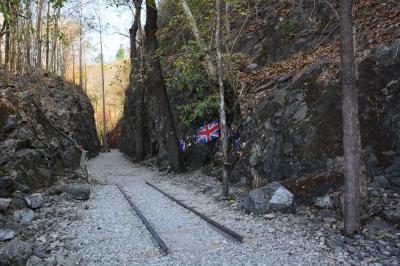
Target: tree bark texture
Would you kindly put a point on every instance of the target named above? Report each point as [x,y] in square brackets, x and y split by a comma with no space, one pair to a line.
[48,36]
[351,133]
[73,62]
[7,47]
[55,41]
[224,136]
[28,35]
[80,45]
[38,34]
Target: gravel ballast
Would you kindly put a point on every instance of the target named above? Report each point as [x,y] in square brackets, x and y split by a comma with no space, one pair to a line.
[110,232]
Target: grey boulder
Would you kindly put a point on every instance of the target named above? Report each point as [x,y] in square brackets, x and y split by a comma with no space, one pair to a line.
[16,252]
[269,198]
[23,216]
[392,215]
[6,234]
[34,201]
[380,182]
[251,67]
[7,186]
[4,204]
[36,261]
[77,192]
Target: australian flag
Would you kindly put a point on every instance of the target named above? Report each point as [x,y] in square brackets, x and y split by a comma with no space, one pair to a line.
[208,132]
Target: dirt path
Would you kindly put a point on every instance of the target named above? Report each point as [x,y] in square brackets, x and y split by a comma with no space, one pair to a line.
[110,233]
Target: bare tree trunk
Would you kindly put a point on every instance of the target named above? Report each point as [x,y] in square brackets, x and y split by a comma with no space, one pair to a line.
[1,49]
[80,45]
[196,33]
[156,78]
[61,60]
[38,34]
[48,36]
[351,133]
[227,46]
[28,34]
[19,63]
[105,142]
[7,47]
[85,59]
[73,61]
[224,140]
[55,39]
[13,44]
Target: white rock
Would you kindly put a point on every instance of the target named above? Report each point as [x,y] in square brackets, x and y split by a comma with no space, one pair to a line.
[324,202]
[282,196]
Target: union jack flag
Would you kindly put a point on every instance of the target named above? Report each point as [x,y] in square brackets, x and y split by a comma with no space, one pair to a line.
[208,132]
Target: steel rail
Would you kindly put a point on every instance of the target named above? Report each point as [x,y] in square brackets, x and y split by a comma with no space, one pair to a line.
[226,231]
[153,232]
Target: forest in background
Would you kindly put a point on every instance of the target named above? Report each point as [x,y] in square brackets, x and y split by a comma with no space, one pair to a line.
[53,36]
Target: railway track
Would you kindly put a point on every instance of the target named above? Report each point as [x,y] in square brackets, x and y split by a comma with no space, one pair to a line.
[149,227]
[226,232]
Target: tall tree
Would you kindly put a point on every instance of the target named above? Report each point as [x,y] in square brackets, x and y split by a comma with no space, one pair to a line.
[224,136]
[55,39]
[39,34]
[85,59]
[80,44]
[1,48]
[105,141]
[28,33]
[351,131]
[7,46]
[166,121]
[48,36]
[196,33]
[13,36]
[73,61]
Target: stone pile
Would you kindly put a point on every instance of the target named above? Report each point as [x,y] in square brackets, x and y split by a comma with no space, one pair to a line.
[26,236]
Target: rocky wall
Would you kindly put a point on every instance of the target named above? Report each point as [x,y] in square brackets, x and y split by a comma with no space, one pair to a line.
[296,132]
[43,121]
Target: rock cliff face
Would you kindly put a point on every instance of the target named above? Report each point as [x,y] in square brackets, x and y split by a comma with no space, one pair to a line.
[43,121]
[290,120]
[128,124]
[296,132]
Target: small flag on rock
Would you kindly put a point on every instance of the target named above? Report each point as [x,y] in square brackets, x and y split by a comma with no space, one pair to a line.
[182,145]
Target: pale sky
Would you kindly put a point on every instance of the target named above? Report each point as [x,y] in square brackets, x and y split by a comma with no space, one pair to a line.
[114,21]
